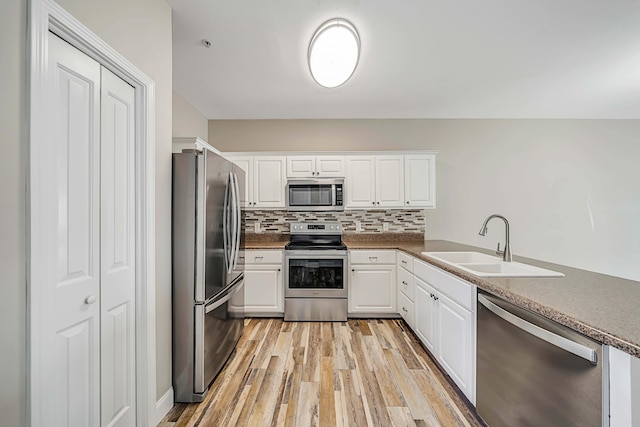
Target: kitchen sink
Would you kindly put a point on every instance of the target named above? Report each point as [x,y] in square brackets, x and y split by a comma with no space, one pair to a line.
[484,265]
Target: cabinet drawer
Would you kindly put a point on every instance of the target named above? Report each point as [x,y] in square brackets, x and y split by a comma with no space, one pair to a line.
[373,257]
[405,308]
[457,289]
[405,261]
[263,257]
[405,283]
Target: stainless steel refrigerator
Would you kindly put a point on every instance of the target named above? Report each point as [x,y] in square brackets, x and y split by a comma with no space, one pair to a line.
[208,269]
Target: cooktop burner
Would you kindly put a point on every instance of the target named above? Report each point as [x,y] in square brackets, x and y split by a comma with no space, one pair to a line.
[316,236]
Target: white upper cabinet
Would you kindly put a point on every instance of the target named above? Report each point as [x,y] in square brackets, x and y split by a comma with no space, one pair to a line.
[389,181]
[420,180]
[375,181]
[268,182]
[360,182]
[265,181]
[315,166]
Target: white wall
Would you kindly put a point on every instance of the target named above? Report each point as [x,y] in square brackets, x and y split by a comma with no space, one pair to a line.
[13,154]
[187,121]
[570,188]
[140,30]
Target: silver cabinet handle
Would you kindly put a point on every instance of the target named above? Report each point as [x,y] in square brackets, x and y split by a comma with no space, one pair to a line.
[373,203]
[373,258]
[258,258]
[407,202]
[435,298]
[405,283]
[548,336]
[278,269]
[378,203]
[403,261]
[405,310]
[90,299]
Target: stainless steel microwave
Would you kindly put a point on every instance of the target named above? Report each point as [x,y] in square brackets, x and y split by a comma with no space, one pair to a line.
[319,194]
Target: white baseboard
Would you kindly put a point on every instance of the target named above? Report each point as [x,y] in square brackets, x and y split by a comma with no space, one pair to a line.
[164,405]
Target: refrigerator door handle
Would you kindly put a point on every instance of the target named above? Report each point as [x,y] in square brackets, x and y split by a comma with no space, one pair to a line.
[198,363]
[238,217]
[226,224]
[209,308]
[548,336]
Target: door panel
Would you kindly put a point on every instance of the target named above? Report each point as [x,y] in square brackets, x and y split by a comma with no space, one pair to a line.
[117,207]
[74,388]
[360,182]
[69,214]
[389,181]
[425,313]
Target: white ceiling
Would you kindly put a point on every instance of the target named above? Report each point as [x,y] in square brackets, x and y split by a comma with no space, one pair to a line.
[419,59]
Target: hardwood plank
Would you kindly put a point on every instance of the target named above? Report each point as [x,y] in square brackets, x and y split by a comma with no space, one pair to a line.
[375,404]
[308,402]
[247,407]
[327,389]
[420,408]
[264,407]
[263,354]
[327,339]
[438,401]
[400,417]
[311,372]
[293,396]
[404,348]
[354,408]
[364,327]
[388,386]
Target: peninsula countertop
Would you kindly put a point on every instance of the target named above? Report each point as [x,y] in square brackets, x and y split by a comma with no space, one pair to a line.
[605,308]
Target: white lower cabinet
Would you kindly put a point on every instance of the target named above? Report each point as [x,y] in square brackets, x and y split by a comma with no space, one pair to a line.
[263,283]
[372,283]
[454,335]
[445,322]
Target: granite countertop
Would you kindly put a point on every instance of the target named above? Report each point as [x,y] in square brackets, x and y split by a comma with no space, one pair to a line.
[602,307]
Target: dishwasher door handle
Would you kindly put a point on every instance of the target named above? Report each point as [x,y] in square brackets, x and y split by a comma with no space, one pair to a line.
[553,339]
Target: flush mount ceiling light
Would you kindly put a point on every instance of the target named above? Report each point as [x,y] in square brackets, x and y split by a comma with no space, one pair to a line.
[334,52]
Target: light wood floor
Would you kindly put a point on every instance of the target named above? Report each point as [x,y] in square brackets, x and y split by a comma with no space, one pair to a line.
[355,373]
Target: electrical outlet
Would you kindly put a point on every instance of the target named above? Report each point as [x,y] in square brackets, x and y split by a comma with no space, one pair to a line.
[358,226]
[385,226]
[256,227]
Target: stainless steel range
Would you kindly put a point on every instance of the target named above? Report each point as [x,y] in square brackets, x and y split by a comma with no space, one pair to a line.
[316,273]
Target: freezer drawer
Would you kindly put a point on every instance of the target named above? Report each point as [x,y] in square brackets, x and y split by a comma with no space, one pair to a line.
[534,372]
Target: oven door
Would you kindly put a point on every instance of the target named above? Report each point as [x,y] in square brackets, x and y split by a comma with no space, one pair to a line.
[316,274]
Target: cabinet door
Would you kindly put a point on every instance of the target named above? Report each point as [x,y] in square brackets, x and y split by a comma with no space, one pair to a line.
[360,182]
[301,166]
[420,180]
[425,314]
[263,289]
[390,181]
[246,164]
[330,166]
[454,346]
[372,289]
[268,182]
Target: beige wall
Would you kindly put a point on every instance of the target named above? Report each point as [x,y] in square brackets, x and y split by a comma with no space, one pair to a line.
[13,375]
[140,30]
[569,187]
[187,121]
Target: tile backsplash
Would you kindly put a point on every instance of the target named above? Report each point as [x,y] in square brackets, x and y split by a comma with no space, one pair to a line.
[371,221]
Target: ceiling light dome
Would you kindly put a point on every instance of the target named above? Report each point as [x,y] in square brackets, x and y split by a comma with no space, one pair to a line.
[334,52]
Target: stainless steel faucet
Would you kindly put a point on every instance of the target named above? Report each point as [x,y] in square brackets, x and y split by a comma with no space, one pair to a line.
[506,254]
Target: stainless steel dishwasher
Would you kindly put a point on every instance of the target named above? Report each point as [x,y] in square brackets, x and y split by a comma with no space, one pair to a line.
[532,371]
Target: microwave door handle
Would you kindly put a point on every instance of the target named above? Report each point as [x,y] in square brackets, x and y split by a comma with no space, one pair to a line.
[333,194]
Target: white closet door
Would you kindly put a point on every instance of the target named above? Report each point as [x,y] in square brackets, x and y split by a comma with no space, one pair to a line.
[69,213]
[117,237]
